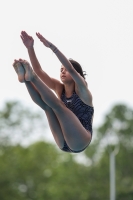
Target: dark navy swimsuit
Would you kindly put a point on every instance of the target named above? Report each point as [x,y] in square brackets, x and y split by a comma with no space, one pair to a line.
[83,112]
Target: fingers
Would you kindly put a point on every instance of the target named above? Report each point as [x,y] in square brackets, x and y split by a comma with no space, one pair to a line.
[42,39]
[24,35]
[37,33]
[39,36]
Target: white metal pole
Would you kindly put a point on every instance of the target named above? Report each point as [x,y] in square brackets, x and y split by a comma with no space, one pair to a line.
[112,176]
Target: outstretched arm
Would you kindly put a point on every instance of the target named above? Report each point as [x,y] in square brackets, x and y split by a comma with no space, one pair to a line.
[28,41]
[65,62]
[81,85]
[29,44]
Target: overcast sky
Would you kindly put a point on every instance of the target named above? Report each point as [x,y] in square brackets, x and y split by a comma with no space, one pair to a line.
[96,33]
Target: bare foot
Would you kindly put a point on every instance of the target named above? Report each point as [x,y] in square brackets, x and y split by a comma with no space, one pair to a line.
[19,70]
[28,70]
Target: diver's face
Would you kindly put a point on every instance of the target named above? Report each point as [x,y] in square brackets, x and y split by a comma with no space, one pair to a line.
[65,75]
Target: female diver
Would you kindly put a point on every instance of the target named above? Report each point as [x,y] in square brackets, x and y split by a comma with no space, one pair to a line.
[70,113]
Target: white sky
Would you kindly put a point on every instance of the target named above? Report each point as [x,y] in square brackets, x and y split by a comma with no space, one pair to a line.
[96,33]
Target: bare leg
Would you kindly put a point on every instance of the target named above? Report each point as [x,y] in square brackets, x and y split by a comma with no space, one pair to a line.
[76,136]
[52,119]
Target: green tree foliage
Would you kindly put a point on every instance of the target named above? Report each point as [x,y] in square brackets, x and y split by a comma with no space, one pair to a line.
[118,123]
[116,132]
[42,171]
[18,122]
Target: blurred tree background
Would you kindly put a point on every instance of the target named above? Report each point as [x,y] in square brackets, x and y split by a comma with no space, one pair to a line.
[39,170]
